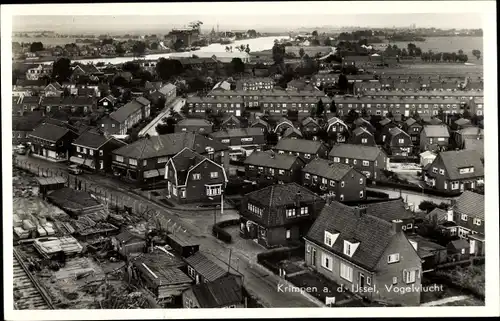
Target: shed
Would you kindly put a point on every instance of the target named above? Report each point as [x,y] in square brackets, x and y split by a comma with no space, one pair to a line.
[127,243]
[427,157]
[181,245]
[458,250]
[47,184]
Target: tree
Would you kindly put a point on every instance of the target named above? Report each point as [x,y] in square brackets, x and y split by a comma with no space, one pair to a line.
[301,53]
[476,53]
[237,66]
[315,42]
[328,42]
[333,107]
[314,33]
[343,83]
[247,49]
[131,66]
[320,109]
[460,52]
[36,46]
[108,41]
[120,81]
[196,84]
[139,48]
[154,46]
[61,69]
[168,68]
[119,50]
[278,52]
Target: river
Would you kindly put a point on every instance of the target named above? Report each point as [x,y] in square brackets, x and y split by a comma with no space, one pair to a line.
[257,44]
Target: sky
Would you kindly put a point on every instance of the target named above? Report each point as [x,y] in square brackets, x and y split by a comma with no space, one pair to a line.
[137,23]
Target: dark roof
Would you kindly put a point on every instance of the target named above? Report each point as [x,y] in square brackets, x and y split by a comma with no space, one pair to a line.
[143,101]
[476,145]
[91,139]
[26,83]
[309,120]
[454,160]
[437,214]
[69,101]
[126,236]
[168,145]
[410,121]
[470,203]
[125,111]
[166,268]
[261,122]
[292,130]
[471,131]
[26,123]
[194,122]
[436,131]
[384,121]
[462,121]
[299,145]
[231,117]
[372,233]
[219,293]
[355,151]
[183,161]
[360,130]
[396,130]
[30,100]
[327,169]
[49,132]
[271,159]
[389,211]
[206,267]
[237,132]
[459,244]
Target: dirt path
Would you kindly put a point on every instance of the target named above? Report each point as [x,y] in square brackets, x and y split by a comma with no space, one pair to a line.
[445,300]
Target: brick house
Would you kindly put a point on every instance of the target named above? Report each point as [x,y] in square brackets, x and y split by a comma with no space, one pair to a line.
[230,122]
[51,142]
[471,132]
[23,126]
[192,177]
[398,143]
[279,215]
[194,125]
[394,209]
[93,151]
[262,124]
[25,104]
[282,125]
[434,138]
[241,141]
[53,90]
[80,105]
[143,161]
[121,120]
[305,149]
[369,160]
[108,102]
[310,127]
[225,292]
[455,171]
[358,250]
[361,136]
[338,129]
[39,72]
[340,181]
[413,128]
[468,214]
[273,168]
[291,133]
[218,105]
[361,122]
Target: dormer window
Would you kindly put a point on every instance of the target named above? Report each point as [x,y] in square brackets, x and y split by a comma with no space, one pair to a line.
[350,248]
[330,238]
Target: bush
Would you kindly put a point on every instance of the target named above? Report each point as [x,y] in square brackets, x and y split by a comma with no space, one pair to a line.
[471,278]
[227,223]
[427,206]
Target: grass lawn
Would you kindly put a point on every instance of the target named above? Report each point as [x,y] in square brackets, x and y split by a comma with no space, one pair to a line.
[466,303]
[325,288]
[471,278]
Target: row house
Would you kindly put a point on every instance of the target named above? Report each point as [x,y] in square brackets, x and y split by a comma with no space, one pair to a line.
[255,83]
[310,127]
[305,149]
[369,160]
[194,125]
[25,87]
[262,125]
[51,142]
[468,213]
[341,246]
[70,104]
[476,106]
[230,122]
[398,144]
[274,168]
[455,171]
[406,107]
[167,92]
[421,94]
[241,141]
[336,127]
[361,136]
[292,133]
[366,88]
[125,117]
[23,105]
[299,84]
[196,63]
[92,150]
[192,177]
[23,126]
[414,129]
[340,181]
[143,161]
[53,89]
[39,72]
[148,64]
[199,105]
[434,138]
[320,80]
[286,106]
[279,215]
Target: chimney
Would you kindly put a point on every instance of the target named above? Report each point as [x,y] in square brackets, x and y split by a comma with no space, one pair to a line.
[298,197]
[397,226]
[272,155]
[361,210]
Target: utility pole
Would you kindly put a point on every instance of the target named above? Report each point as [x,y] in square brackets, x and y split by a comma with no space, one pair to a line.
[229,265]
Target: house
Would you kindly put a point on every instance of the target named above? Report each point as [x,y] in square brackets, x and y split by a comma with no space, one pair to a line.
[279,215]
[80,105]
[84,70]
[434,138]
[255,83]
[93,151]
[161,274]
[297,84]
[192,177]
[39,72]
[291,133]
[383,130]
[437,216]
[23,126]
[468,213]
[24,87]
[310,127]
[361,136]
[202,270]
[226,292]
[127,243]
[458,250]
[359,251]
[25,105]
[427,157]
[282,125]
[222,85]
[340,181]
[413,128]
[369,160]
[305,149]
[143,161]
[338,129]
[476,145]
[471,132]
[241,141]
[394,209]
[51,142]
[273,168]
[87,91]
[262,125]
[432,254]
[167,92]
[230,122]
[398,143]
[125,117]
[455,171]
[461,123]
[194,125]
[199,106]
[53,89]
[182,244]
[108,102]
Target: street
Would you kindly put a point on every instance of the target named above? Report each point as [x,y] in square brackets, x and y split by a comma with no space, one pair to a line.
[410,197]
[259,282]
[151,127]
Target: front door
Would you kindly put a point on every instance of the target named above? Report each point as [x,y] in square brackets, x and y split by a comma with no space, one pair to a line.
[238,113]
[313,259]
[361,280]
[472,246]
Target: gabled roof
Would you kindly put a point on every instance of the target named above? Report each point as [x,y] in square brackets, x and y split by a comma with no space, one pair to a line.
[299,145]
[327,169]
[231,118]
[470,203]
[436,131]
[206,267]
[67,101]
[194,122]
[271,159]
[262,122]
[110,98]
[183,161]
[373,234]
[126,236]
[471,131]
[462,121]
[56,85]
[29,100]
[167,88]
[168,145]
[390,210]
[459,244]
[26,123]
[237,132]
[222,292]
[434,121]
[143,101]
[355,151]
[396,131]
[437,214]
[360,130]
[410,121]
[385,121]
[454,160]
[91,139]
[308,120]
[126,111]
[476,145]
[34,83]
[292,130]
[49,132]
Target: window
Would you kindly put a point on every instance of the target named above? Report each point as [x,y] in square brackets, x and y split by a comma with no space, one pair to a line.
[454,185]
[368,280]
[401,141]
[196,176]
[282,172]
[347,160]
[341,197]
[409,276]
[324,181]
[464,217]
[304,210]
[409,226]
[290,212]
[183,193]
[132,161]
[214,174]
[271,171]
[393,258]
[119,159]
[332,183]
[394,280]
[101,152]
[307,156]
[288,234]
[366,163]
[162,160]
[345,271]
[434,170]
[261,169]
[307,175]
[247,139]
[342,184]
[191,272]
[364,140]
[348,248]
[361,194]
[330,238]
[225,141]
[326,261]
[214,190]
[336,160]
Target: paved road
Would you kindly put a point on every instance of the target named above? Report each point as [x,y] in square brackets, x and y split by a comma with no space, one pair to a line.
[151,127]
[412,197]
[259,282]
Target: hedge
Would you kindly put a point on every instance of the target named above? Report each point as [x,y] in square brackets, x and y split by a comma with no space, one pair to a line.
[219,232]
[377,194]
[281,253]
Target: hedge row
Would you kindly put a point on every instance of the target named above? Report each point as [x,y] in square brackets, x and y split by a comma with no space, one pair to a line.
[219,232]
[280,253]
